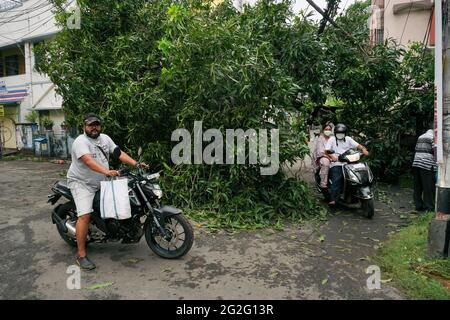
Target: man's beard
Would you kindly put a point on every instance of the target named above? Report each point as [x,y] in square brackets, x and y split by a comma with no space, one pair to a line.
[93,135]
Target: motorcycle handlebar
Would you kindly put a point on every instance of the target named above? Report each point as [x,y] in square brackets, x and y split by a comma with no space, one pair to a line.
[124,171]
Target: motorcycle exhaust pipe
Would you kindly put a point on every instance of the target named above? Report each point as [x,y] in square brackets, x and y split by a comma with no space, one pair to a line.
[64,226]
[71,231]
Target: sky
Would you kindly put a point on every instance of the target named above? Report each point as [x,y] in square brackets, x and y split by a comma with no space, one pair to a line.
[303,4]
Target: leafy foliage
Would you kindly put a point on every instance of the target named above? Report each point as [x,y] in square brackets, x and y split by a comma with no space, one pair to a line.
[229,69]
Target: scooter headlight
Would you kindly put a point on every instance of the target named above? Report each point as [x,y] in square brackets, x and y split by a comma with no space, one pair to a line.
[353,177]
[370,174]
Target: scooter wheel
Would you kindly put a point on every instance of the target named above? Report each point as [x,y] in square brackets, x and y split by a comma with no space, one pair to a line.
[368,208]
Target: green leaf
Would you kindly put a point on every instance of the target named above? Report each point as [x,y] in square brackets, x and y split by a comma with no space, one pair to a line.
[167,270]
[100,286]
[134,260]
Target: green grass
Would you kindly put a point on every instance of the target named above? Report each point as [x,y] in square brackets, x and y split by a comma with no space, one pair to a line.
[12,157]
[404,259]
[21,157]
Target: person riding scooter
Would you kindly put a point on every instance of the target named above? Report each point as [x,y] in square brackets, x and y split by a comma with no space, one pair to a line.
[320,157]
[337,145]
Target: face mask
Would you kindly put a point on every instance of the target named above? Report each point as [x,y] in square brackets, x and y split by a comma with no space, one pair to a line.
[340,136]
[327,133]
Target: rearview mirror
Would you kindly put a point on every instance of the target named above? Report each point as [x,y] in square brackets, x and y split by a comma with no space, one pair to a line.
[367,143]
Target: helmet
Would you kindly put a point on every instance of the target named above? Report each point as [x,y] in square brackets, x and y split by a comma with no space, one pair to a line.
[340,128]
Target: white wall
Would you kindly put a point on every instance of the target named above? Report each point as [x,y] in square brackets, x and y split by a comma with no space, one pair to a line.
[34,18]
[394,24]
[58,117]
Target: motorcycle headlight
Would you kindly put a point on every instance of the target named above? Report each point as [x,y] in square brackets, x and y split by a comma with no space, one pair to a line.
[157,191]
[153,190]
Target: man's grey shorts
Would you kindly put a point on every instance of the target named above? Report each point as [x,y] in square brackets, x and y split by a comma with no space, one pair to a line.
[83,197]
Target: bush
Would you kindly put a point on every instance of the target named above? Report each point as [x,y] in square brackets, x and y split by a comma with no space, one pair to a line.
[47,122]
[32,116]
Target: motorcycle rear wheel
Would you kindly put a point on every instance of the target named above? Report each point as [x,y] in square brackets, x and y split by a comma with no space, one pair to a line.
[178,228]
[368,207]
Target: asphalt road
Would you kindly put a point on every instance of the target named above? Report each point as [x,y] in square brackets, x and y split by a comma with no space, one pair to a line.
[327,262]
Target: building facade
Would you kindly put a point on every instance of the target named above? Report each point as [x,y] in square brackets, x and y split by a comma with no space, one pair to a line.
[23,25]
[404,21]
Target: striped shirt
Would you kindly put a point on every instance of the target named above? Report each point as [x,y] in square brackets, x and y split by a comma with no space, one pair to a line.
[424,156]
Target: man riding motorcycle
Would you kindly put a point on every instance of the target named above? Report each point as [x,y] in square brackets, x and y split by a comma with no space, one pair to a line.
[337,145]
[90,155]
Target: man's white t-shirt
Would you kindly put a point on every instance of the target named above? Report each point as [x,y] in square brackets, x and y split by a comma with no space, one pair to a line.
[79,172]
[339,147]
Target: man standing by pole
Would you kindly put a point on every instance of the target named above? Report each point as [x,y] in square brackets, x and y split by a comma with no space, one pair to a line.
[424,173]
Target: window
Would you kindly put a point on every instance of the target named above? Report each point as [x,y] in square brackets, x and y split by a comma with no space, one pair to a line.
[43,114]
[12,62]
[12,65]
[37,57]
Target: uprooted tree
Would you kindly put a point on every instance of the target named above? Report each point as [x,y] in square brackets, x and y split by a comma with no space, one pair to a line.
[149,68]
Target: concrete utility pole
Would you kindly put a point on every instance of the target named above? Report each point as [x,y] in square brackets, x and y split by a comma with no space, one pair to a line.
[439,231]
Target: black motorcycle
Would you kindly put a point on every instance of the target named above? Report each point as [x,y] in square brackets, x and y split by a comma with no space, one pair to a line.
[357,185]
[167,232]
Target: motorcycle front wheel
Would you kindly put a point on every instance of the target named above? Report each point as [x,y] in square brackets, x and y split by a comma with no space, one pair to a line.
[181,237]
[368,208]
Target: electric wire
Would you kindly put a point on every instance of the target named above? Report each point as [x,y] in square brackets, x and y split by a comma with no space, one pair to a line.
[21,12]
[31,25]
[406,22]
[13,19]
[42,24]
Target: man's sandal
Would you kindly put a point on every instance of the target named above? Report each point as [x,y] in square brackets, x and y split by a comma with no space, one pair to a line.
[85,263]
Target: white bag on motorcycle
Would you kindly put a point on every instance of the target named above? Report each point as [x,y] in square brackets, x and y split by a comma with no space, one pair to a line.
[114,199]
